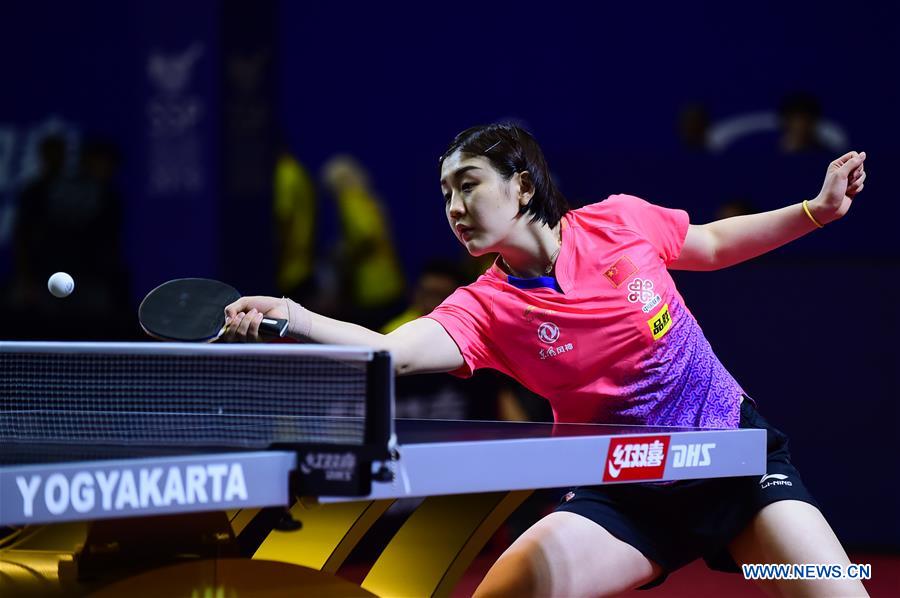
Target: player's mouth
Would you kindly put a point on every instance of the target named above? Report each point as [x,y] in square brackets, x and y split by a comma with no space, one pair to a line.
[465,232]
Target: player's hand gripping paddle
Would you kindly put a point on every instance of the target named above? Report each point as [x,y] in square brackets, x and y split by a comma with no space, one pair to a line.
[193,310]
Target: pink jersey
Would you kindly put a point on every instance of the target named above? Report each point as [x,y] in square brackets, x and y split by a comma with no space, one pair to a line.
[617,345]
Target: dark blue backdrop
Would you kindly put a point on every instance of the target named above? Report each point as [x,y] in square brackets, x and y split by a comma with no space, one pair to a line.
[601,87]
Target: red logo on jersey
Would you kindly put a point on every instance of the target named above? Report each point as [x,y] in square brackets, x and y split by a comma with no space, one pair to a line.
[636,458]
[620,271]
[531,311]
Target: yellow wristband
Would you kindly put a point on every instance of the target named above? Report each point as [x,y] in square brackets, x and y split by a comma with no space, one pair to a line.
[808,213]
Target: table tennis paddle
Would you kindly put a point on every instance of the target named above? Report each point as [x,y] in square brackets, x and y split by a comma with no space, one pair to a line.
[193,310]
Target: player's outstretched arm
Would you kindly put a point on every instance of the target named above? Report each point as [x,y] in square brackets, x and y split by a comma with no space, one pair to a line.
[417,347]
[730,241]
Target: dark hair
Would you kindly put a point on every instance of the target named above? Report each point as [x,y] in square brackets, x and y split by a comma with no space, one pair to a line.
[511,149]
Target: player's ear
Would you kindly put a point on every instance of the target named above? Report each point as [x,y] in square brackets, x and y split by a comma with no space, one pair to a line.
[526,187]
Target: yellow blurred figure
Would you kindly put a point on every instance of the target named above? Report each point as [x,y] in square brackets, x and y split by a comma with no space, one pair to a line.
[367,252]
[295,215]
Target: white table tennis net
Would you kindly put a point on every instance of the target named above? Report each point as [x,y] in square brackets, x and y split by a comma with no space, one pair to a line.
[173,394]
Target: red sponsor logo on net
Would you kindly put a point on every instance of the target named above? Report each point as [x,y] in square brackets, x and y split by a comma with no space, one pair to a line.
[636,458]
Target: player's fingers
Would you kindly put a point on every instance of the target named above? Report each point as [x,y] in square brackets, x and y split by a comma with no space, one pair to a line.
[233,327]
[253,330]
[853,192]
[852,164]
[241,305]
[260,303]
[244,326]
[837,163]
[856,184]
[228,334]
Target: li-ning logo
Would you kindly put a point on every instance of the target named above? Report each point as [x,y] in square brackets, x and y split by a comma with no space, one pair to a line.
[774,479]
[548,332]
[636,458]
[337,467]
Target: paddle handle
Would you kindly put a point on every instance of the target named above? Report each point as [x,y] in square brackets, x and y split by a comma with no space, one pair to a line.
[272,328]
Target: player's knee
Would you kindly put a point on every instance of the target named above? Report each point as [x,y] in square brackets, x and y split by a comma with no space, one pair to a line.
[528,569]
[516,573]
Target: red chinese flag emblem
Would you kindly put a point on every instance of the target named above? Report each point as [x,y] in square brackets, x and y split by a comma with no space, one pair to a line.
[620,271]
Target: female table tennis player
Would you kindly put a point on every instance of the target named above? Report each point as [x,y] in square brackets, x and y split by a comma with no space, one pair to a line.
[579,307]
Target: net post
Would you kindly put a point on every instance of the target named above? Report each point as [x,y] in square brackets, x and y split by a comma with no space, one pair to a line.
[379,427]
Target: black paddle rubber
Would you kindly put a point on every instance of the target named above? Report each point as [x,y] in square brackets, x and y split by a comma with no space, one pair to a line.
[193,310]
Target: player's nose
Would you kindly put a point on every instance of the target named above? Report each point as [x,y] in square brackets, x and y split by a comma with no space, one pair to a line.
[456,208]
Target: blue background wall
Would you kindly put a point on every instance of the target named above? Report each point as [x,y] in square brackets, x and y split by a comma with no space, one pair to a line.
[600,87]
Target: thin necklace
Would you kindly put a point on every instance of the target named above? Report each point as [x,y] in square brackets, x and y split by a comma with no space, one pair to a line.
[553,257]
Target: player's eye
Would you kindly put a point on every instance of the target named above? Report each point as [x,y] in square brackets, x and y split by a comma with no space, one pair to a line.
[466,187]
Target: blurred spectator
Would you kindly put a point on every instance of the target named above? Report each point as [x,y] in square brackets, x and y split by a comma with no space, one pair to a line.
[71,224]
[693,127]
[798,117]
[487,395]
[438,280]
[798,125]
[295,217]
[34,197]
[368,265]
[441,396]
[433,396]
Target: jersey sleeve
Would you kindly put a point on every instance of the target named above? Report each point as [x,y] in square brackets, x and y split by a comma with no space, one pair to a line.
[466,315]
[664,228]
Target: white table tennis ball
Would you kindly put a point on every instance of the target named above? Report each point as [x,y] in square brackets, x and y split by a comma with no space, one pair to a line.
[61,285]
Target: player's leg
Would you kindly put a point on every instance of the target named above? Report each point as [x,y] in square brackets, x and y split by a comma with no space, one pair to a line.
[793,531]
[565,554]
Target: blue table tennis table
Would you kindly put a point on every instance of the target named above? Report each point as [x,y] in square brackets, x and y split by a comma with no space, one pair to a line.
[106,518]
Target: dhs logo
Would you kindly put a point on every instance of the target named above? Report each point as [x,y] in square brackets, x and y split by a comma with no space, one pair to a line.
[548,332]
[692,455]
[636,458]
